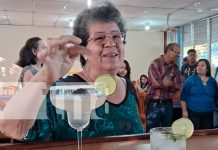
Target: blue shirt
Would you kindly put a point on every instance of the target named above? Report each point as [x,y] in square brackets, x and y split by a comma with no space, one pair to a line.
[199,97]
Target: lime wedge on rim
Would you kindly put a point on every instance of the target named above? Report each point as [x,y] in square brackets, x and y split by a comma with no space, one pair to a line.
[107,83]
[183,126]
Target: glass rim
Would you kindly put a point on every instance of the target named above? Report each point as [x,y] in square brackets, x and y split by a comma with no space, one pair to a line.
[168,129]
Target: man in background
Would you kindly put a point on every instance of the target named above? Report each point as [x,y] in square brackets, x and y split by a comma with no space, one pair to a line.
[189,68]
[165,80]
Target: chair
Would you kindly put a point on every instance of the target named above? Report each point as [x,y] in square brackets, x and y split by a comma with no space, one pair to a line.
[141,100]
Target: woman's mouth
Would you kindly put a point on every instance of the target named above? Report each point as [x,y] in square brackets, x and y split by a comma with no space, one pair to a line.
[110,55]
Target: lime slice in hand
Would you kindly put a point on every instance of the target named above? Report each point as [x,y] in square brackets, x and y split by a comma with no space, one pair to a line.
[183,126]
[107,83]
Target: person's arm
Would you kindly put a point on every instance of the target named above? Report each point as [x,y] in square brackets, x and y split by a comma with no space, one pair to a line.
[20,113]
[154,75]
[139,89]
[184,97]
[182,69]
[177,82]
[184,109]
[216,72]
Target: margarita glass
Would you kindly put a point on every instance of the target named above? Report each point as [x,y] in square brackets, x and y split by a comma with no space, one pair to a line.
[78,100]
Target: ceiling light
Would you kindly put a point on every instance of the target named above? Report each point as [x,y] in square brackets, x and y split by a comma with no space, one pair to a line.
[147,27]
[71,23]
[2,59]
[197,6]
[214,9]
[11,72]
[197,3]
[145,12]
[3,17]
[89,3]
[3,69]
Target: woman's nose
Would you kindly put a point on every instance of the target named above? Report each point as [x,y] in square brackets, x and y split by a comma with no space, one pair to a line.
[109,41]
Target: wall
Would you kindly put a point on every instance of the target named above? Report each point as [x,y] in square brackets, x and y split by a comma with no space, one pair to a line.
[141,48]
[14,37]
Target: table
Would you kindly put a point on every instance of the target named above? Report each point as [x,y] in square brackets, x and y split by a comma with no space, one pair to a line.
[201,140]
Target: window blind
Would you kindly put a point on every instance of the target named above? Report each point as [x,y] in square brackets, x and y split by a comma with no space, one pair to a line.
[187,35]
[214,29]
[200,32]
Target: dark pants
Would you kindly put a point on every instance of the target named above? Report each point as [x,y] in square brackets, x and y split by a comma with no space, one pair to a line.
[159,114]
[177,113]
[201,120]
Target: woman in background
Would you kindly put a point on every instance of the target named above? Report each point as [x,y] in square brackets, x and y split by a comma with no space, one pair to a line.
[29,59]
[199,95]
[142,87]
[125,70]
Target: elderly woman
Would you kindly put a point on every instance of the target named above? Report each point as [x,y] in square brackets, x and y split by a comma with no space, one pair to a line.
[102,32]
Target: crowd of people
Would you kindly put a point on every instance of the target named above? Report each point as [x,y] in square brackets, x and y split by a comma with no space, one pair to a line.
[99,38]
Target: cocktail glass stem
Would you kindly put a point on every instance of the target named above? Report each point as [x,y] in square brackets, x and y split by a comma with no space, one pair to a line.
[79,139]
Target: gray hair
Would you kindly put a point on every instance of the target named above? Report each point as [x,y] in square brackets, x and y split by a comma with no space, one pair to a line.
[105,12]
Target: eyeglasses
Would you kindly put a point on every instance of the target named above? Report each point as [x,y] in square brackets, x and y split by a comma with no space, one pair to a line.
[176,52]
[101,38]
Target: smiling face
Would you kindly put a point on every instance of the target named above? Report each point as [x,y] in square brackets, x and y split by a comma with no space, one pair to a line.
[107,56]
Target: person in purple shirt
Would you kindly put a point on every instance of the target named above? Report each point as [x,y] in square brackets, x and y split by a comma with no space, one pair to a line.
[199,97]
[165,80]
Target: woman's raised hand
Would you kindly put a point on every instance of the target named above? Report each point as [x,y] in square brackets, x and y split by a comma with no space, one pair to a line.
[59,57]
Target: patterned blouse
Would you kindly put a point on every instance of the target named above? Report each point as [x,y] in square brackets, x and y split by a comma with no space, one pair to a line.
[120,119]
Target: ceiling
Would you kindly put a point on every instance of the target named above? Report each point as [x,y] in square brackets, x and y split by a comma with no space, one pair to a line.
[138,13]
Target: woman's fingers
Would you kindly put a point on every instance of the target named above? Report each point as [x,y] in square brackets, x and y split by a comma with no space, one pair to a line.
[69,45]
[55,44]
[70,39]
[76,50]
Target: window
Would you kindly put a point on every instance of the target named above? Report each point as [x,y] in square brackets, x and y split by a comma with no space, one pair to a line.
[214,42]
[187,38]
[200,39]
